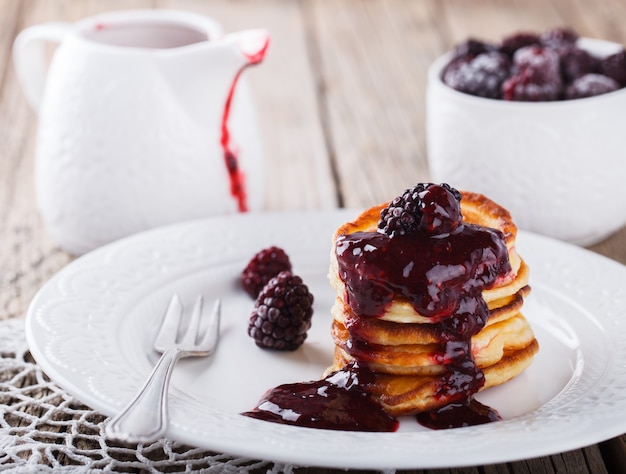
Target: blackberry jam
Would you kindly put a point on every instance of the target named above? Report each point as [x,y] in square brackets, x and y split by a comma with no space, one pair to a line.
[441,270]
[338,402]
[424,254]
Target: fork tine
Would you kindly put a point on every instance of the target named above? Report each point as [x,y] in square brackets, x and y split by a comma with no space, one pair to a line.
[171,321]
[209,341]
[190,337]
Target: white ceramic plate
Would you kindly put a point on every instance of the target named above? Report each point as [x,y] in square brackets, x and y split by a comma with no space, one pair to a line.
[91,327]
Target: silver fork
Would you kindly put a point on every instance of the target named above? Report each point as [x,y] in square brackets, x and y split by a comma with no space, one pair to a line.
[145,418]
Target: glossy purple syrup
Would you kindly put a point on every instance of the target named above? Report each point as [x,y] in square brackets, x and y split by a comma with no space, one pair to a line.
[440,267]
[457,415]
[442,276]
[438,275]
[337,402]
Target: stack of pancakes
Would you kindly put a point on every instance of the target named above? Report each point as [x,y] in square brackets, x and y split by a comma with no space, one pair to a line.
[402,348]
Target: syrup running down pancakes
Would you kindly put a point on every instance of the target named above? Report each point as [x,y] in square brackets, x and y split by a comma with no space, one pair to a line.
[428,312]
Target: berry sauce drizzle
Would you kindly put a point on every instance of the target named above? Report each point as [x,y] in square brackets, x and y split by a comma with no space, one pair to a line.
[469,412]
[442,276]
[441,268]
[231,156]
[338,402]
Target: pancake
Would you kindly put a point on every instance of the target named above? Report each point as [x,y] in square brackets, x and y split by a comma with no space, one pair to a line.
[406,351]
[402,395]
[488,347]
[477,210]
[385,332]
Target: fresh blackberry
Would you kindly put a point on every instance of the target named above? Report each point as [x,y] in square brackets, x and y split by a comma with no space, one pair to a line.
[537,76]
[559,37]
[472,48]
[264,266]
[590,85]
[575,63]
[614,66]
[522,88]
[541,65]
[480,76]
[403,214]
[282,313]
[416,208]
[516,41]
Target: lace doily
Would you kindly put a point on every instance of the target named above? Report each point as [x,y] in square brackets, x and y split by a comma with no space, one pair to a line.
[43,429]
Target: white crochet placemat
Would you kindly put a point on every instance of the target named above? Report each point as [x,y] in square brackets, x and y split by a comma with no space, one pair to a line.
[43,429]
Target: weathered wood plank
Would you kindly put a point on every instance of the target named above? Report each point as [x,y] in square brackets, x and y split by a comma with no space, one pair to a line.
[613,453]
[605,23]
[493,19]
[596,463]
[8,21]
[22,267]
[373,60]
[578,462]
[613,247]
[496,469]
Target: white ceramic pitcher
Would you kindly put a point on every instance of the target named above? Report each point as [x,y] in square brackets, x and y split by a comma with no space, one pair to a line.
[134,123]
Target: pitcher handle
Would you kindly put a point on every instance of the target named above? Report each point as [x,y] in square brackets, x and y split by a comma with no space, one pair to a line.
[29,59]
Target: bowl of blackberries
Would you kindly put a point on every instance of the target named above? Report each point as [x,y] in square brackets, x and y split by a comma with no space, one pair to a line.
[536,121]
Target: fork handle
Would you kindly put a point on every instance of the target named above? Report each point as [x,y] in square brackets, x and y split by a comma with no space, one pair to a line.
[144,419]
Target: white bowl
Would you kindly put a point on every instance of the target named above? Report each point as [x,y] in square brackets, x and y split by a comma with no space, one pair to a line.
[559,167]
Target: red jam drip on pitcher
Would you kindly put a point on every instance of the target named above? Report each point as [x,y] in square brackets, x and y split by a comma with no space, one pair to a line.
[231,156]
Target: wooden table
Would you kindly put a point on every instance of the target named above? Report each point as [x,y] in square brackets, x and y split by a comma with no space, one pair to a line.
[341,95]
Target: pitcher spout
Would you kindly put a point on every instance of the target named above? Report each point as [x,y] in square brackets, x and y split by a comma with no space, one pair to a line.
[253,44]
[224,58]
